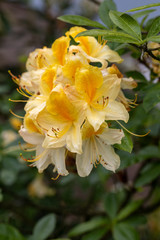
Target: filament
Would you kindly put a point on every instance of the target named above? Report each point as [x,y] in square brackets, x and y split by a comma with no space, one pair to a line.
[14,78]
[56,177]
[136,135]
[32,160]
[19,90]
[11,100]
[15,114]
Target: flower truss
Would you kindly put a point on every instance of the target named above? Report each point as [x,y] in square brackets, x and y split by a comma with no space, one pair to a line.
[70,102]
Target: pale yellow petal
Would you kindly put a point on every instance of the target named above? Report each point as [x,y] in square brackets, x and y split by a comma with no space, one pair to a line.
[95,118]
[84,161]
[58,159]
[109,159]
[111,136]
[74,139]
[116,111]
[31,138]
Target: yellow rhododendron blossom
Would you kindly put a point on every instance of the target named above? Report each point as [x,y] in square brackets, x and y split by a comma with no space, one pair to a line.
[69,104]
[97,149]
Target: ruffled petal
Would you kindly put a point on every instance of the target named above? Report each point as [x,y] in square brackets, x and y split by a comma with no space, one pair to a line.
[95,118]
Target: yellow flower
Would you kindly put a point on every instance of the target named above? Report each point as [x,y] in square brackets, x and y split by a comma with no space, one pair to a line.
[62,121]
[92,49]
[97,149]
[69,101]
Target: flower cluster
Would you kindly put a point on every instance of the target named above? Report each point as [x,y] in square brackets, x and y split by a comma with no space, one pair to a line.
[70,101]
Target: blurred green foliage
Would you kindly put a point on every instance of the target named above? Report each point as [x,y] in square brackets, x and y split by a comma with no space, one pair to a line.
[103,206]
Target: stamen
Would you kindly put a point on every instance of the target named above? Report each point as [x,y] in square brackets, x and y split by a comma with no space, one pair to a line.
[136,135]
[32,160]
[14,78]
[105,101]
[15,114]
[54,179]
[19,90]
[11,100]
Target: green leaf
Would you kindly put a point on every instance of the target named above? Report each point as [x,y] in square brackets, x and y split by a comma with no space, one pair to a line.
[8,232]
[88,226]
[136,75]
[110,35]
[96,234]
[104,9]
[72,41]
[96,64]
[128,210]
[143,13]
[144,7]
[152,97]
[112,203]
[44,227]
[155,28]
[148,176]
[124,231]
[80,21]
[148,152]
[126,23]
[126,143]
[137,220]
[153,39]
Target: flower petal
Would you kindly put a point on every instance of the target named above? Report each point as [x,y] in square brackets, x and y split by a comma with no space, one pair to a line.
[116,111]
[58,159]
[111,136]
[74,139]
[95,118]
[32,138]
[84,161]
[110,160]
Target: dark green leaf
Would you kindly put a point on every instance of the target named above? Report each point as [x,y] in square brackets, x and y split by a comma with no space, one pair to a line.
[143,13]
[136,75]
[44,227]
[88,226]
[126,23]
[96,64]
[96,234]
[148,152]
[148,176]
[126,143]
[80,21]
[152,97]
[112,203]
[129,209]
[73,42]
[110,35]
[155,28]
[137,220]
[7,232]
[144,7]
[153,39]
[124,231]
[104,9]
